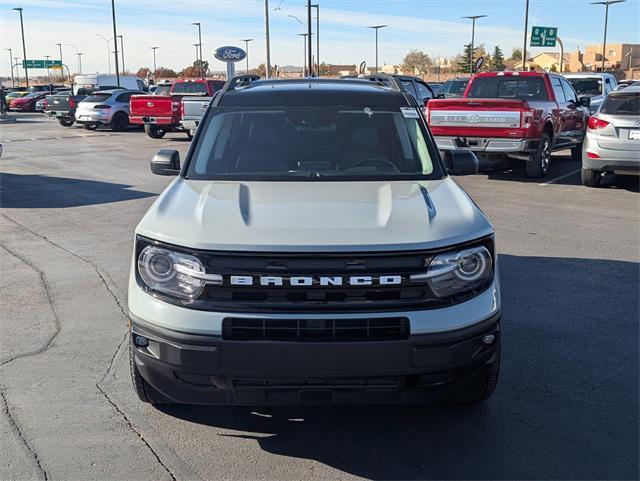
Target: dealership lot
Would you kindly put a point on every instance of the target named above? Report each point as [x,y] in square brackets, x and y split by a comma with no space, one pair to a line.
[566,406]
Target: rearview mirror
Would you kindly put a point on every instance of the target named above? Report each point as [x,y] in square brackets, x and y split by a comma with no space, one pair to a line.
[461,162]
[585,101]
[166,162]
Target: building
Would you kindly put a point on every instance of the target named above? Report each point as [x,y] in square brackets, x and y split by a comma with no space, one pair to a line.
[548,61]
[618,57]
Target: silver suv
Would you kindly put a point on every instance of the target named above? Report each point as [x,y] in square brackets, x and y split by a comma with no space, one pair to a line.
[314,249]
[106,108]
[612,142]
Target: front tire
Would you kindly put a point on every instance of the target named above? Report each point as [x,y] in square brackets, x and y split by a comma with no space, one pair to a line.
[154,131]
[538,166]
[591,178]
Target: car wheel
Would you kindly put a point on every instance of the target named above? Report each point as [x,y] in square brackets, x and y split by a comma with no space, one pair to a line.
[66,122]
[591,178]
[120,122]
[576,153]
[189,135]
[154,131]
[90,126]
[145,391]
[538,166]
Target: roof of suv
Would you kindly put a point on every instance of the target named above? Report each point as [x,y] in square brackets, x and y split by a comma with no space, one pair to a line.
[350,92]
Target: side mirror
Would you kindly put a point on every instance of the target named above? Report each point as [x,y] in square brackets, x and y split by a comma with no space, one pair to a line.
[440,96]
[461,162]
[585,101]
[166,162]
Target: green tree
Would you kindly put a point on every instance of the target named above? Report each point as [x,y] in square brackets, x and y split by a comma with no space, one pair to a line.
[324,69]
[516,54]
[417,61]
[463,60]
[143,72]
[166,73]
[497,59]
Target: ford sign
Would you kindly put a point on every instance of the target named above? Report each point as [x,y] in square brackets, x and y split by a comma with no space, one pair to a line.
[230,54]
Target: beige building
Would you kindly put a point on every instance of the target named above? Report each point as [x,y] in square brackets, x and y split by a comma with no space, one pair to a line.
[549,61]
[618,57]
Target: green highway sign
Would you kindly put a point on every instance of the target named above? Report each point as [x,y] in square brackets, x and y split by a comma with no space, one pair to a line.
[41,64]
[544,36]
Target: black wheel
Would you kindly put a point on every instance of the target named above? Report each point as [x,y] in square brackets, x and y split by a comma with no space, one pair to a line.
[486,389]
[90,126]
[120,122]
[154,131]
[189,135]
[66,122]
[145,391]
[538,166]
[576,153]
[591,178]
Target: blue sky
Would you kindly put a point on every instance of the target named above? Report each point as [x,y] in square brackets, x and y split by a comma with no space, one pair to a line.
[433,26]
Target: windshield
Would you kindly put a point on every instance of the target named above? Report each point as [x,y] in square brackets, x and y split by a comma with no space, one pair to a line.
[512,87]
[458,87]
[624,103]
[190,88]
[313,143]
[162,90]
[586,86]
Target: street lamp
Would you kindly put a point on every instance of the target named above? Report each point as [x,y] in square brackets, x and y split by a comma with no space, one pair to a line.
[47,57]
[606,4]
[13,82]
[154,61]
[24,48]
[473,38]
[199,55]
[267,39]
[304,49]
[17,66]
[246,49]
[107,40]
[122,51]
[62,64]
[317,7]
[79,55]
[196,45]
[376,28]
[115,40]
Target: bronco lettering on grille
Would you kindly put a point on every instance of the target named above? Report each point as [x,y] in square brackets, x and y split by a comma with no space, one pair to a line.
[320,281]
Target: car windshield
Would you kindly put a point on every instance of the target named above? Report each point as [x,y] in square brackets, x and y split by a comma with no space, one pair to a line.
[509,87]
[458,87]
[586,86]
[623,103]
[313,143]
[162,90]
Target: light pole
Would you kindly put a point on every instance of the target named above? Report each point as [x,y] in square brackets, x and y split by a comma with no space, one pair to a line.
[304,49]
[473,38]
[376,28]
[13,82]
[122,52]
[24,47]
[107,40]
[115,40]
[47,57]
[79,55]
[196,45]
[317,7]
[309,39]
[246,49]
[154,61]
[606,4]
[17,66]
[199,51]
[62,64]
[267,39]
[526,27]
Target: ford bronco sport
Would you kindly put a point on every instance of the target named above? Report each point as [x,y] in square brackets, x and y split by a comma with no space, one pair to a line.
[313,248]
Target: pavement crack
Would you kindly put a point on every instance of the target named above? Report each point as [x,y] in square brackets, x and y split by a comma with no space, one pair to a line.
[56,319]
[16,429]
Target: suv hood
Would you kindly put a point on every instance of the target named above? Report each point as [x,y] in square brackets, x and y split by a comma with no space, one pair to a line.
[310,216]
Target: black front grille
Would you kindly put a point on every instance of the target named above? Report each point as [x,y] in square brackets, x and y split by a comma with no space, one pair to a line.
[316,330]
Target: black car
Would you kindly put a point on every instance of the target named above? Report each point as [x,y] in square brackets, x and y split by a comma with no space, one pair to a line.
[453,88]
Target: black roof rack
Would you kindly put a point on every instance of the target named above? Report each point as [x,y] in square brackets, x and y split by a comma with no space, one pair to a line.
[393,83]
[237,81]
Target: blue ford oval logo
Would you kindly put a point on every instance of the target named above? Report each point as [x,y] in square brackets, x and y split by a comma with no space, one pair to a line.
[230,54]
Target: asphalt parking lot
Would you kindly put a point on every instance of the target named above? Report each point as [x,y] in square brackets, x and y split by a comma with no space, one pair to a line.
[566,406]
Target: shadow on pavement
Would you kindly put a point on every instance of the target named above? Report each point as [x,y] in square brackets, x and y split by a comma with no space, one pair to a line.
[29,191]
[566,406]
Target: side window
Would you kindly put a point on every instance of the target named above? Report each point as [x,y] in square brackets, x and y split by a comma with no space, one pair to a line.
[124,97]
[557,90]
[408,86]
[423,91]
[569,93]
[140,84]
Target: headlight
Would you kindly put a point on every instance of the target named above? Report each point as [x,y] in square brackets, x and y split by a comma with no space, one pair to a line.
[454,273]
[173,273]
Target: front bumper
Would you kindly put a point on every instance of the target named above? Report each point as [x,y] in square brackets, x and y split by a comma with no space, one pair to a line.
[486,144]
[196,369]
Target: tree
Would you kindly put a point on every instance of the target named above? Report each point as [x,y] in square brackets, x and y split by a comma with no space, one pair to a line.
[516,54]
[417,61]
[189,72]
[262,70]
[324,69]
[205,67]
[143,72]
[164,72]
[497,59]
[463,61]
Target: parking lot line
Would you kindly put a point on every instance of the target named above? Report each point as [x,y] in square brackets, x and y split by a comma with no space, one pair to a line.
[556,179]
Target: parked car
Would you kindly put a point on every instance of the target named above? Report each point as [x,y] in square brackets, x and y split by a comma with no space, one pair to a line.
[453,88]
[623,84]
[523,115]
[41,105]
[612,144]
[90,83]
[26,103]
[106,108]
[596,86]
[314,249]
[15,95]
[162,113]
[63,105]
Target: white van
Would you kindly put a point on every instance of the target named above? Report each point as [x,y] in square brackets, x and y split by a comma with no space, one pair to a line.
[91,82]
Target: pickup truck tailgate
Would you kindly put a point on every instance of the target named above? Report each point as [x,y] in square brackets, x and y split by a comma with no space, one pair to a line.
[151,106]
[474,113]
[56,103]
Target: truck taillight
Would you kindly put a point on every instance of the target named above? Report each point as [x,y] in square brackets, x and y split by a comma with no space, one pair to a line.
[595,123]
[526,119]
[72,104]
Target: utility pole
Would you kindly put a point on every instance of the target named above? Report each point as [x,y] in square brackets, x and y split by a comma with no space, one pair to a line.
[62,64]
[526,28]
[309,39]
[47,57]
[107,40]
[268,40]
[154,61]
[473,38]
[13,82]
[199,49]
[376,28]
[24,48]
[122,52]
[80,54]
[115,41]
[304,51]
[246,49]
[317,7]
[606,4]
[17,66]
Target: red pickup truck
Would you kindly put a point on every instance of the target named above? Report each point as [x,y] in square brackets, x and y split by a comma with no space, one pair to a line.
[162,113]
[522,115]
